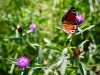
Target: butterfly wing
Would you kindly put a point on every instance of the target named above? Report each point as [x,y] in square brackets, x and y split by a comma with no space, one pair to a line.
[72,14]
[69,21]
[69,28]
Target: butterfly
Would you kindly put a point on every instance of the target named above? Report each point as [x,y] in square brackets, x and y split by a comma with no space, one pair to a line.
[69,23]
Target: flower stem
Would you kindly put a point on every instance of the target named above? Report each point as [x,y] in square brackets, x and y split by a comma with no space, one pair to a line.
[13,65]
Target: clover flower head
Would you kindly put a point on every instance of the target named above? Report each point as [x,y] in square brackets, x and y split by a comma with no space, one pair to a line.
[32,26]
[79,18]
[20,29]
[23,61]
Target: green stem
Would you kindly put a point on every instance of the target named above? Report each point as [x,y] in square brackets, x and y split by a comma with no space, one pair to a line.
[16,55]
[13,65]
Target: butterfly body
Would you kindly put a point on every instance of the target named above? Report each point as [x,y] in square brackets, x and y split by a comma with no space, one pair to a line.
[69,24]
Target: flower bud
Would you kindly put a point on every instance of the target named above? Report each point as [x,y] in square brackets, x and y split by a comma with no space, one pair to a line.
[20,29]
[32,26]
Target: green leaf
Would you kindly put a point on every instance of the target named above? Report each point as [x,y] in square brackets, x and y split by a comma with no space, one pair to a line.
[21,41]
[46,40]
[17,4]
[69,36]
[40,54]
[22,72]
[29,31]
[33,45]
[81,44]
[55,65]
[64,61]
[63,67]
[54,46]
[85,29]
[60,60]
[82,69]
[16,39]
[31,71]
[12,60]
[64,51]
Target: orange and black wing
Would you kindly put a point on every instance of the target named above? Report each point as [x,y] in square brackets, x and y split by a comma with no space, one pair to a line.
[69,21]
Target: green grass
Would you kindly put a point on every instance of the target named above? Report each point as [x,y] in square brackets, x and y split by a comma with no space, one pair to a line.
[47,15]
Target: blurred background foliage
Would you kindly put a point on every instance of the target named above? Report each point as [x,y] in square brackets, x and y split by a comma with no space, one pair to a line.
[46,14]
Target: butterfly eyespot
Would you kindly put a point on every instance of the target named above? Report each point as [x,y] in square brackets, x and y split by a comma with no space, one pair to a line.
[72,31]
